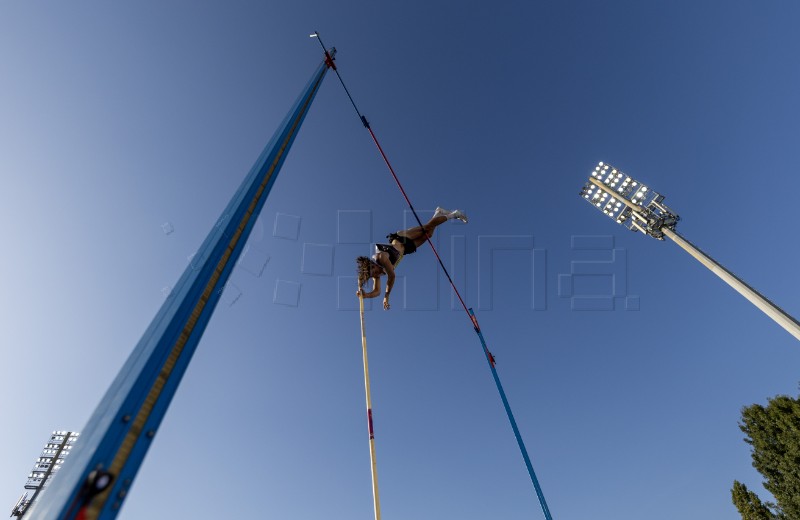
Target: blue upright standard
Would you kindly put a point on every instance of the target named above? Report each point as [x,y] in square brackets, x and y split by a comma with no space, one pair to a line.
[115,440]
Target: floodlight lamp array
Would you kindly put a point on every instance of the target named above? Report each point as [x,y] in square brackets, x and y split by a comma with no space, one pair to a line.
[628,202]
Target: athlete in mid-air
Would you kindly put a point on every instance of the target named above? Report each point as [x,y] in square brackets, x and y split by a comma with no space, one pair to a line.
[401,243]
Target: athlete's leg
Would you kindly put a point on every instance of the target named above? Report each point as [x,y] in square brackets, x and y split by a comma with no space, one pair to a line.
[420,234]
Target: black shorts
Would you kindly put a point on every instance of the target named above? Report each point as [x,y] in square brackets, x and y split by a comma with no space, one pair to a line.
[408,245]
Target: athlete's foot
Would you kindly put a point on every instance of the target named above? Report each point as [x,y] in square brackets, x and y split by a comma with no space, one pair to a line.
[460,215]
[440,212]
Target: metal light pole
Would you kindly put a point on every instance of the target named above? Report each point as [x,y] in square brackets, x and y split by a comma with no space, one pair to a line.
[638,208]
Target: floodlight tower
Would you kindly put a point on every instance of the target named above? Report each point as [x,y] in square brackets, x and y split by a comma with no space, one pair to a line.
[47,465]
[637,207]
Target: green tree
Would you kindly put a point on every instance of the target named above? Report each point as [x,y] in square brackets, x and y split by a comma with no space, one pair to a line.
[774,434]
[749,505]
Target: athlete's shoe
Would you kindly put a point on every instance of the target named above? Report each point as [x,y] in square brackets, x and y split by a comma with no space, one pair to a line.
[441,212]
[460,215]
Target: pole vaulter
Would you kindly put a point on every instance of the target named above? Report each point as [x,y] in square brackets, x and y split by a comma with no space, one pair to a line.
[103,465]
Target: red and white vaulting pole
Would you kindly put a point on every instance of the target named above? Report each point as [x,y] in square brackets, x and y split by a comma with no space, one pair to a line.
[373,463]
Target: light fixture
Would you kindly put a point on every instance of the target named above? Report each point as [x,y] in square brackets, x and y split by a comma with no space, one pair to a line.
[645,211]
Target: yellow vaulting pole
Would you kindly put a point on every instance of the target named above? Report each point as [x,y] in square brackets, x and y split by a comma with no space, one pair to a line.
[376,499]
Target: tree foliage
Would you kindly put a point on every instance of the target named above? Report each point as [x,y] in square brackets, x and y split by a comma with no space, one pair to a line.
[749,505]
[774,434]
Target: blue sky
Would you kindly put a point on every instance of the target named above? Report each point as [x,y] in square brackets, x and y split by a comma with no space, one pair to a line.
[115,120]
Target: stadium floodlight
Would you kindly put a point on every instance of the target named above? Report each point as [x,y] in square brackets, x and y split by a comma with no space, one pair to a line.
[628,201]
[637,207]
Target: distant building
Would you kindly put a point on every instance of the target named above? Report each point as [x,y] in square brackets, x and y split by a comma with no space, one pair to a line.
[48,463]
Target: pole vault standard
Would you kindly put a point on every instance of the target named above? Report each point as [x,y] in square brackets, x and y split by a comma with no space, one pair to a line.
[638,208]
[115,440]
[374,464]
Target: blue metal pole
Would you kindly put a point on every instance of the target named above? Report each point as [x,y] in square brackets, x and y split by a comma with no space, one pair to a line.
[113,444]
[531,472]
